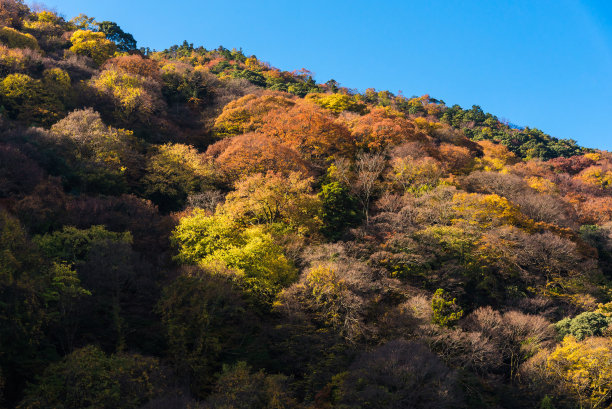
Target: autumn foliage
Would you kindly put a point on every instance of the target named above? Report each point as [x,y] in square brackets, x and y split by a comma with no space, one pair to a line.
[193,228]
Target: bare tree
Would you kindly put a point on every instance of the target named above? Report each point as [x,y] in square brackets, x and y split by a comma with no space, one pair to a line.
[369,167]
[207,200]
[517,336]
[400,374]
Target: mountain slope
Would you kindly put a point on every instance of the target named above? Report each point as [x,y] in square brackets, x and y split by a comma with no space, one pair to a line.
[195,228]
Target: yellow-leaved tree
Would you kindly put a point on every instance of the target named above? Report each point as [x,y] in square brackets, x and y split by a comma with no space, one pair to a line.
[274,198]
[136,98]
[16,39]
[584,368]
[31,100]
[247,254]
[93,44]
[173,172]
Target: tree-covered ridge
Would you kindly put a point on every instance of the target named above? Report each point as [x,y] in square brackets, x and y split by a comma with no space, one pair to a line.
[195,228]
[474,123]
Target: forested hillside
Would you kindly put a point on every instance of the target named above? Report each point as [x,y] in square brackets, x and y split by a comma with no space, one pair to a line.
[194,228]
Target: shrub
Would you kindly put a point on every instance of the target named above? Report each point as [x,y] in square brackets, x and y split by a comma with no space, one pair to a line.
[445,312]
[16,39]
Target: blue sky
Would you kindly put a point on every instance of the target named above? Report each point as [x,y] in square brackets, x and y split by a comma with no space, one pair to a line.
[544,63]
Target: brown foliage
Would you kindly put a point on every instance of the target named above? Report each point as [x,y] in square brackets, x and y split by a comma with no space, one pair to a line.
[590,209]
[502,184]
[572,165]
[412,150]
[369,168]
[311,130]
[123,213]
[458,159]
[531,168]
[382,128]
[251,153]
[12,13]
[464,349]
[247,114]
[540,258]
[207,200]
[44,209]
[333,291]
[545,208]
[447,134]
[539,207]
[134,64]
[516,335]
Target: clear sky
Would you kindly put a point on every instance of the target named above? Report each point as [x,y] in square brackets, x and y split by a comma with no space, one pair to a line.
[537,63]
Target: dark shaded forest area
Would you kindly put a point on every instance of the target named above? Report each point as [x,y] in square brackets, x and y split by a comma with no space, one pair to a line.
[195,228]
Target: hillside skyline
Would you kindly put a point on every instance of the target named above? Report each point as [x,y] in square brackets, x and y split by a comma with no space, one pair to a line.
[546,66]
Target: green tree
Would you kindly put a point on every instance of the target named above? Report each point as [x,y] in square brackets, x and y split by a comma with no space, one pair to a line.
[584,325]
[72,245]
[182,84]
[90,379]
[253,77]
[36,298]
[341,210]
[64,297]
[125,41]
[22,315]
[207,322]
[105,263]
